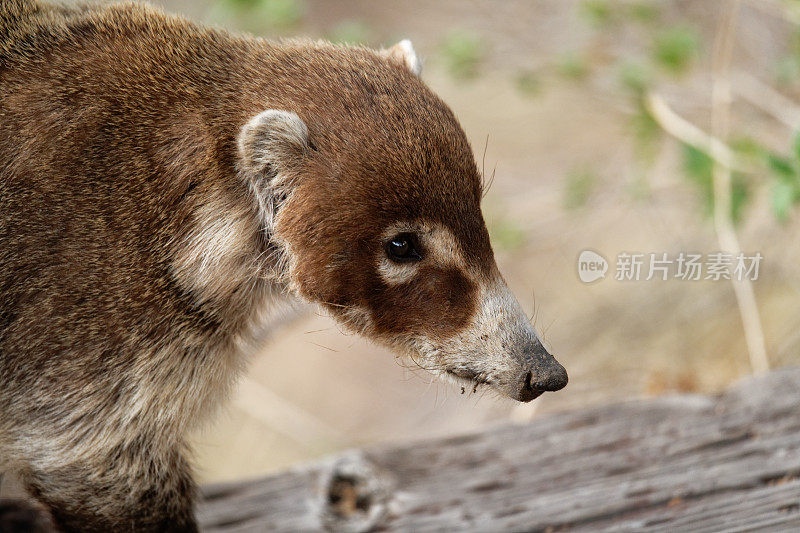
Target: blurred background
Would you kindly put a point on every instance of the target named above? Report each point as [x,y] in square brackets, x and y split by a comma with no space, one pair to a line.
[607,125]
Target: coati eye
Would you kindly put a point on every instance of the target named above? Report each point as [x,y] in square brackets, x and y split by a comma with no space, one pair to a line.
[403,248]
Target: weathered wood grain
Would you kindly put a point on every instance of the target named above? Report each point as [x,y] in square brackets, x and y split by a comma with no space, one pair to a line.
[683,463]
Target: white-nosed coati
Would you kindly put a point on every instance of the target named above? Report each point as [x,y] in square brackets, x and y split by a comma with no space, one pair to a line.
[163,187]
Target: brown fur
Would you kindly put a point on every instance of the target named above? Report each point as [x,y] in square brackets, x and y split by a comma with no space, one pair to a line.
[146,237]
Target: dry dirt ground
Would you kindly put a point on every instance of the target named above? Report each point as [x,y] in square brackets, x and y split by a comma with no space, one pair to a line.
[315,389]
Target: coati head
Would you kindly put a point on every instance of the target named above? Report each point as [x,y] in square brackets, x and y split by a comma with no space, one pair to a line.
[371,193]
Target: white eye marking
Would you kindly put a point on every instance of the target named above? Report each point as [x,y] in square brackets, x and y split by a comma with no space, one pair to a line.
[396,273]
[438,247]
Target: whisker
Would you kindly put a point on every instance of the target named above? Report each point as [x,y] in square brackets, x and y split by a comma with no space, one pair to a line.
[483,165]
[535,315]
[431,369]
[323,346]
[545,330]
[343,306]
[316,330]
[491,182]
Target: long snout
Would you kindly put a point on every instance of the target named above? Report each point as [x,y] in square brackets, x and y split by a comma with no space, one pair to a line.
[527,369]
[503,350]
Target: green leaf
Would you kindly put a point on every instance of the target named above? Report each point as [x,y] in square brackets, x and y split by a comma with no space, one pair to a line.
[579,188]
[528,82]
[699,168]
[597,12]
[245,4]
[675,49]
[635,77]
[781,167]
[258,16]
[646,131]
[787,70]
[351,32]
[281,13]
[645,128]
[784,196]
[463,52]
[797,145]
[505,234]
[740,197]
[698,164]
[573,66]
[748,148]
[644,12]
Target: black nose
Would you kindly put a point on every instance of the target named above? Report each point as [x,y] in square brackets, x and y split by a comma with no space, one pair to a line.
[542,378]
[553,379]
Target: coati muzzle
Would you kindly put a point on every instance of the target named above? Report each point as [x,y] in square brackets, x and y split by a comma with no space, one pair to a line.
[531,372]
[501,349]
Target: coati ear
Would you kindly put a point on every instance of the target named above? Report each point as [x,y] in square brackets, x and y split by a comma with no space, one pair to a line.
[403,52]
[271,141]
[272,146]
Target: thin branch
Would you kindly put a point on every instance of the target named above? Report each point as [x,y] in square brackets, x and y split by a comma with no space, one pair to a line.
[764,97]
[723,162]
[723,158]
[688,133]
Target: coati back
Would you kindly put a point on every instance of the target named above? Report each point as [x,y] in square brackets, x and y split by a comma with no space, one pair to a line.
[165,188]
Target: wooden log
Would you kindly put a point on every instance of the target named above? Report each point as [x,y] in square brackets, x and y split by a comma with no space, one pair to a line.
[676,463]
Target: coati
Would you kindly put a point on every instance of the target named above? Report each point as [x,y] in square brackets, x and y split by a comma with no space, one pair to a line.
[164,187]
